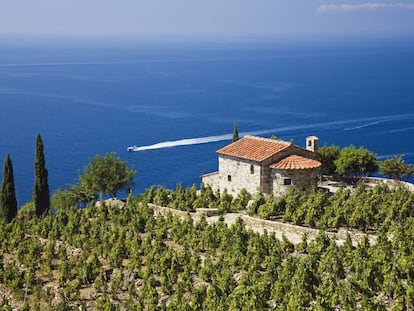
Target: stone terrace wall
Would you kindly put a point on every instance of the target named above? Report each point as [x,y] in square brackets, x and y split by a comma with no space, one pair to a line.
[374,181]
[390,182]
[161,210]
[288,229]
[259,225]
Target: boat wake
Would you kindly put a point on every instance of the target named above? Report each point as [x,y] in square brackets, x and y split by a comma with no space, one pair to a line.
[388,156]
[357,127]
[217,138]
[182,142]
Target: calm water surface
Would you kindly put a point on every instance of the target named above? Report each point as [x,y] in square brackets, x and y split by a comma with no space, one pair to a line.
[87,99]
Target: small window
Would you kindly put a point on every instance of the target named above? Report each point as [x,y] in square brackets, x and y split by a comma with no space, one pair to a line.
[228,177]
[287,182]
[309,143]
[251,169]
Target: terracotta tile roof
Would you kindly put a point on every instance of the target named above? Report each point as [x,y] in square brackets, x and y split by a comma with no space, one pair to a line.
[295,162]
[254,148]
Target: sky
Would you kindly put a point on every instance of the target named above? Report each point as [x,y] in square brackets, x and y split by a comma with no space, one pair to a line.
[205,17]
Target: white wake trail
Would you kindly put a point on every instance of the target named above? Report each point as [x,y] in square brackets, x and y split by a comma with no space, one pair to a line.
[210,139]
[357,127]
[203,140]
[388,156]
[182,142]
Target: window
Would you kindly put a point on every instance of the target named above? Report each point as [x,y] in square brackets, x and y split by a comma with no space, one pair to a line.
[309,143]
[287,181]
[228,177]
[252,169]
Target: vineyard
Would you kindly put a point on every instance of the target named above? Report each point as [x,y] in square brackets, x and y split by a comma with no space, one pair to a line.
[111,258]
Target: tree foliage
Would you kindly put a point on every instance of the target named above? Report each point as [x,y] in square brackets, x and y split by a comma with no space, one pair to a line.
[189,199]
[327,156]
[356,162]
[41,199]
[107,258]
[395,167]
[379,208]
[128,258]
[8,202]
[107,174]
[74,195]
[235,133]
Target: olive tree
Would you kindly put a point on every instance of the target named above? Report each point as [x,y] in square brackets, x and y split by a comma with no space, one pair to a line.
[395,167]
[107,174]
[356,162]
[74,195]
[328,155]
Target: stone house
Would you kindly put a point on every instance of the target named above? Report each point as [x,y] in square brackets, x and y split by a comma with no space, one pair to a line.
[272,166]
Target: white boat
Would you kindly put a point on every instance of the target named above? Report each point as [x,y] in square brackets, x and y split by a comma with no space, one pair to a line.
[132,148]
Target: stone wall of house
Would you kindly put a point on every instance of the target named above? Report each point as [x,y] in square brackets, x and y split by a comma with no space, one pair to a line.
[235,175]
[304,152]
[270,185]
[211,179]
[299,179]
[267,178]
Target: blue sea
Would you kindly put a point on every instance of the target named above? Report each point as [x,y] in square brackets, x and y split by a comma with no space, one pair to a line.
[90,97]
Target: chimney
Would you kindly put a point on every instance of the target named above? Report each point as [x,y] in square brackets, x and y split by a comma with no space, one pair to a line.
[312,143]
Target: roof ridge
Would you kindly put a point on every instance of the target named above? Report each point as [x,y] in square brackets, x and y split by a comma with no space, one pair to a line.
[288,143]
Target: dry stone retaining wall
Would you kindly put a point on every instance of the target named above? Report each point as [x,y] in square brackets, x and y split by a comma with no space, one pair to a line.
[390,182]
[161,210]
[292,232]
[289,229]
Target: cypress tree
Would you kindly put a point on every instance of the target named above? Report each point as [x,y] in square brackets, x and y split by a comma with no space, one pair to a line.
[235,133]
[41,198]
[8,202]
